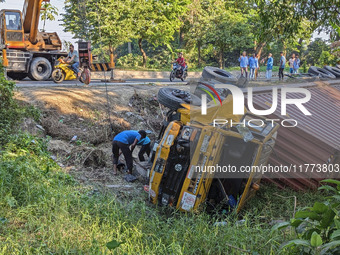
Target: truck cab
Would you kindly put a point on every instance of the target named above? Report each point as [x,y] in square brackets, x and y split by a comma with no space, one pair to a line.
[12,32]
[188,149]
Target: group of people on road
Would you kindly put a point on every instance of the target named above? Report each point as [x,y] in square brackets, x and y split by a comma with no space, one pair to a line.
[253,63]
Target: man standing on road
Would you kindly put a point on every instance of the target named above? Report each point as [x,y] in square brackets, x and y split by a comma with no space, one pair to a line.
[122,142]
[252,66]
[270,62]
[244,64]
[282,65]
[73,59]
[296,64]
[291,64]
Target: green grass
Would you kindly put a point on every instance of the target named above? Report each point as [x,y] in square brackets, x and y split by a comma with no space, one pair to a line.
[43,210]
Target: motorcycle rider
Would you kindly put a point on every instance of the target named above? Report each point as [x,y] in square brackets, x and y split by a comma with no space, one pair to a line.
[73,59]
[181,61]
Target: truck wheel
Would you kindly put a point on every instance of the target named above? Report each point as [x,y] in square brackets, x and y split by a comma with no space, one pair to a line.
[58,76]
[17,76]
[40,69]
[220,75]
[321,72]
[173,98]
[333,70]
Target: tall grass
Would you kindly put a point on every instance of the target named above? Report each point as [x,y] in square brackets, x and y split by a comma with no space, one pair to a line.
[43,210]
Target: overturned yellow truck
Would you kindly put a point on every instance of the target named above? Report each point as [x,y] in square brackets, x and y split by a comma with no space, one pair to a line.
[197,164]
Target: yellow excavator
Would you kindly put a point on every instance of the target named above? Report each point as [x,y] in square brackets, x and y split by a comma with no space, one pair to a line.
[25,50]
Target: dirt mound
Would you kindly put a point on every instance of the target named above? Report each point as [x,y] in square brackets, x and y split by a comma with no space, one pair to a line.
[146,109]
[59,147]
[29,125]
[68,126]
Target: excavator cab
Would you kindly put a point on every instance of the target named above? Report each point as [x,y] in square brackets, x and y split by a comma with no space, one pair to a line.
[12,29]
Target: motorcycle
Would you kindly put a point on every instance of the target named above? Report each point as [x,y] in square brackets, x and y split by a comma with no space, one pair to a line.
[64,72]
[177,72]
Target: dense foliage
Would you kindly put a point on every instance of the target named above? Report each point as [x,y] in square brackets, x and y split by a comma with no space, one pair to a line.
[317,227]
[207,31]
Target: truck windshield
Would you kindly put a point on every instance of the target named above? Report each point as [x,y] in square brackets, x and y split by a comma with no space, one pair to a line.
[13,21]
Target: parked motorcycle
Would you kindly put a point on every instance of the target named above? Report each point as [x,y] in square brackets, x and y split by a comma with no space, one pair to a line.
[63,72]
[177,72]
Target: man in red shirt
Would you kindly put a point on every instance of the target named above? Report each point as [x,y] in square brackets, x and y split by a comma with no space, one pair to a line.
[181,62]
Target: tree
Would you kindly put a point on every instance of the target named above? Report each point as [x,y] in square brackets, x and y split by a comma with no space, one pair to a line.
[320,12]
[315,50]
[197,22]
[48,12]
[75,19]
[111,23]
[156,21]
[286,15]
[105,23]
[229,31]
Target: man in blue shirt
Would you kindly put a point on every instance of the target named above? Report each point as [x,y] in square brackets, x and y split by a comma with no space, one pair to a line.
[296,64]
[270,62]
[145,149]
[122,141]
[253,63]
[282,65]
[244,63]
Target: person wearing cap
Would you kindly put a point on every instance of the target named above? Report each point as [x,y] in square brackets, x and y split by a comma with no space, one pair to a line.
[126,141]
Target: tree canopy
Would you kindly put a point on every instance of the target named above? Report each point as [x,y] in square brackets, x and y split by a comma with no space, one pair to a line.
[206,30]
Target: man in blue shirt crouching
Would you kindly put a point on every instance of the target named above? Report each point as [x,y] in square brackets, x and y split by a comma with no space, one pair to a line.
[123,141]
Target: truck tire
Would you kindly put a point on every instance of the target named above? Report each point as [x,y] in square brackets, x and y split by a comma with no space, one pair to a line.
[17,76]
[40,69]
[333,70]
[321,72]
[214,73]
[173,98]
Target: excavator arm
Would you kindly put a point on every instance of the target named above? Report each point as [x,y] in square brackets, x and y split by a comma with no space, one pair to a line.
[31,16]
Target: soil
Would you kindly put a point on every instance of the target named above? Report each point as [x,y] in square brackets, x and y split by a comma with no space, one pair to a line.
[80,123]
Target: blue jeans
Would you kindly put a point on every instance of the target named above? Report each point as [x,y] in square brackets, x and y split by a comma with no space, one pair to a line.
[75,67]
[291,70]
[252,73]
[269,74]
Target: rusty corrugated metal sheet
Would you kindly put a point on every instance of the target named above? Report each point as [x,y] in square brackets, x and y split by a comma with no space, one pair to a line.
[316,139]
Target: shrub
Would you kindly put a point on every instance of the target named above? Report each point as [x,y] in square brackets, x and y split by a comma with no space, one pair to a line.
[317,227]
[8,107]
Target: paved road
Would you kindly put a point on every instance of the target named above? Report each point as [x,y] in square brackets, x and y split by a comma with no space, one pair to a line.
[29,83]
